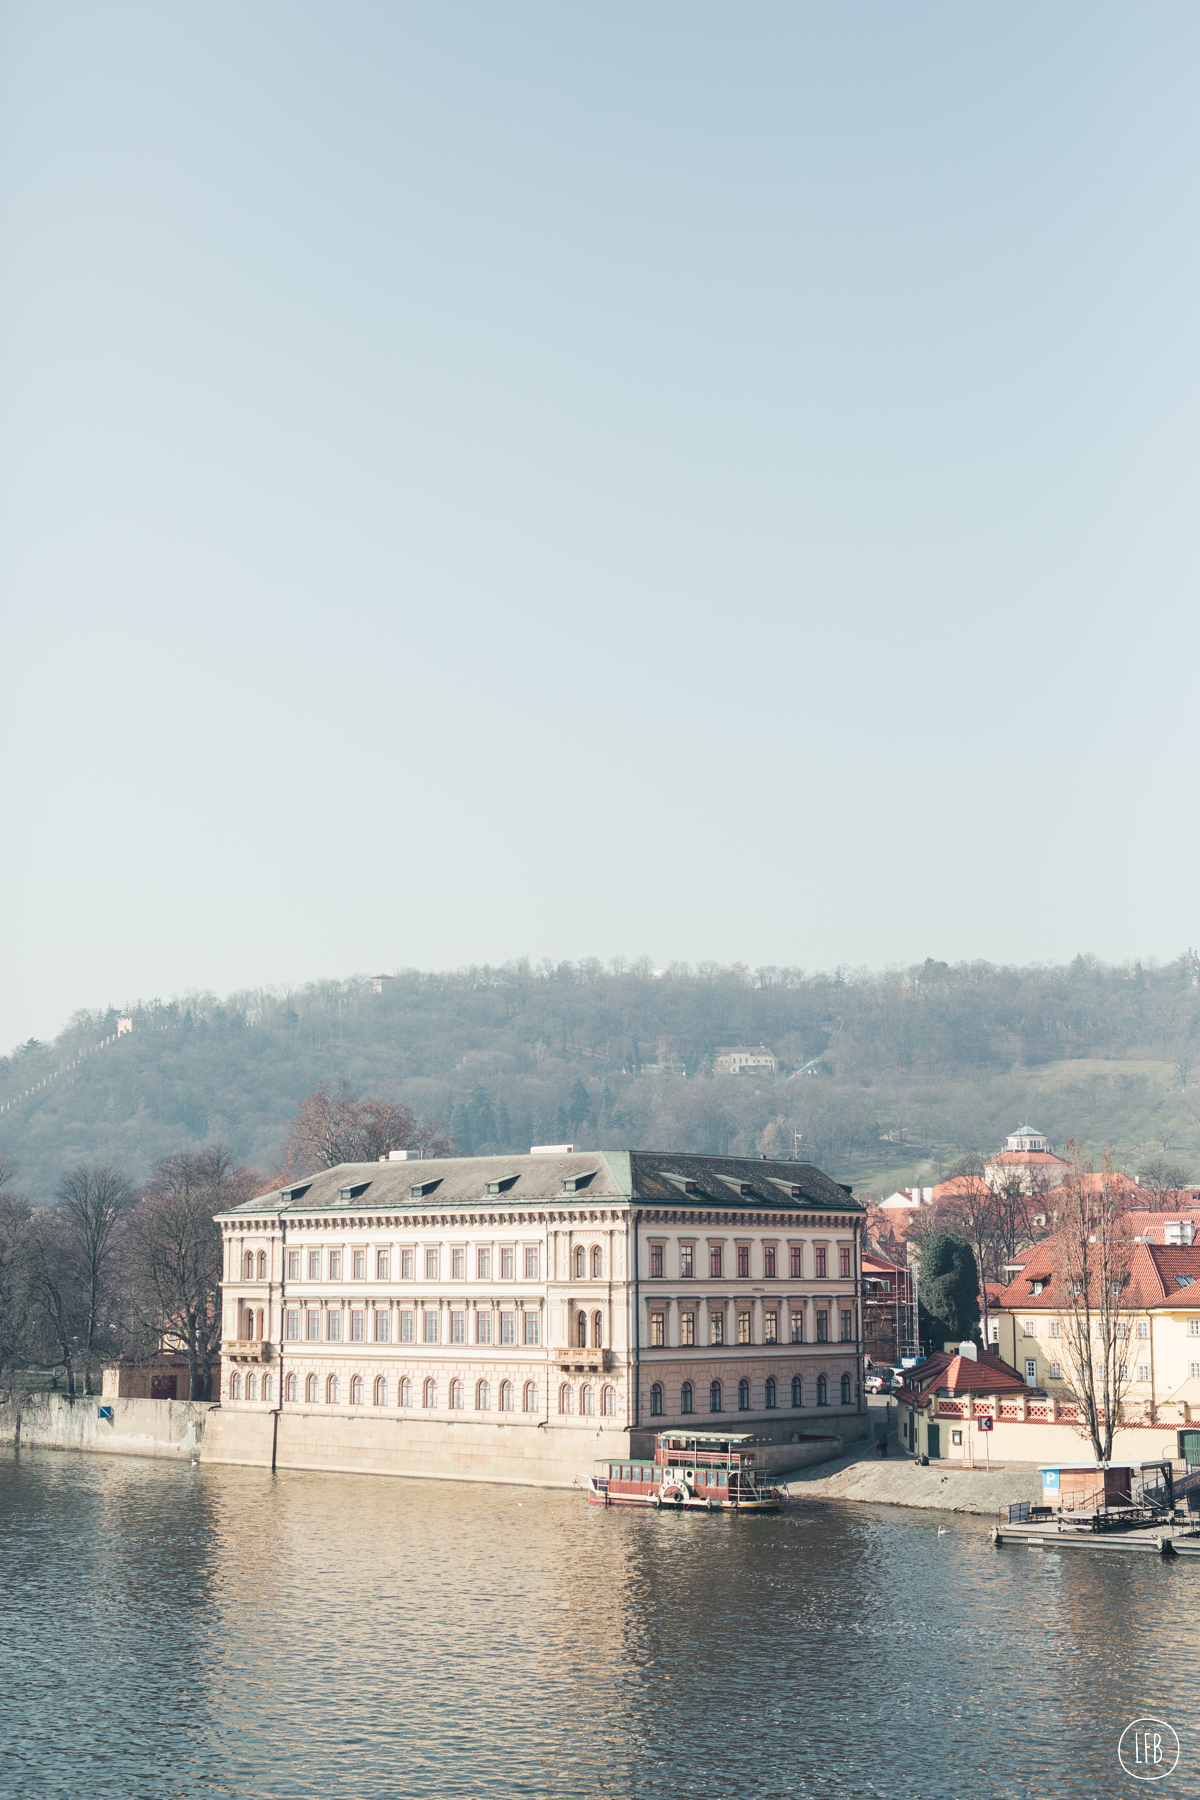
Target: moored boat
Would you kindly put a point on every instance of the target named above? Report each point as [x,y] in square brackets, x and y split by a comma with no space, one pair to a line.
[688,1473]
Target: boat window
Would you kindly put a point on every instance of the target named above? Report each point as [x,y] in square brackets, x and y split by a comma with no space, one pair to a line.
[722,1478]
[625,1472]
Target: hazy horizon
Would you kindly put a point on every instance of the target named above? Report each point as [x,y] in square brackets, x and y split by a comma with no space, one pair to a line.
[713,479]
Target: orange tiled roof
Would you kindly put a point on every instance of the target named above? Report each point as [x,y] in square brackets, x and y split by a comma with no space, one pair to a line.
[1039,1158]
[1154,1279]
[981,1374]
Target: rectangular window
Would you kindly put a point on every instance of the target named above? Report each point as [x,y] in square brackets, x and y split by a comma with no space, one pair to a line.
[407,1265]
[483,1265]
[1055,1329]
[847,1327]
[1143,1371]
[531,1263]
[382,1265]
[431,1326]
[313,1327]
[333,1325]
[714,1260]
[658,1328]
[431,1265]
[458,1327]
[1028,1328]
[687,1328]
[360,1265]
[293,1265]
[687,1260]
[1123,1372]
[770,1327]
[531,1328]
[656,1262]
[508,1327]
[743,1328]
[743,1251]
[1193,1370]
[314,1265]
[1194,1327]
[335,1265]
[844,1264]
[406,1328]
[821,1261]
[483,1327]
[381,1328]
[797,1328]
[1031,1371]
[506,1263]
[716,1328]
[769,1262]
[293,1322]
[1056,1371]
[822,1328]
[797,1255]
[1143,1328]
[358,1327]
[458,1265]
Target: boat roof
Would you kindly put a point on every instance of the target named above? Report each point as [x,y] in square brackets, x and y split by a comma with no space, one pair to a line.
[721,1440]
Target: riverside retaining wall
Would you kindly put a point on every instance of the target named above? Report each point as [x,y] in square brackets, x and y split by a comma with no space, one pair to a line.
[136,1427]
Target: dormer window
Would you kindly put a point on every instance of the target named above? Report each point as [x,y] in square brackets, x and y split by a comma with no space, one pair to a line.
[691,1187]
[499,1187]
[575,1184]
[352,1193]
[295,1193]
[419,1189]
[1036,1287]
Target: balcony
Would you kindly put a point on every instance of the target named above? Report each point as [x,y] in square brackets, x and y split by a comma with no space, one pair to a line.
[571,1357]
[248,1349]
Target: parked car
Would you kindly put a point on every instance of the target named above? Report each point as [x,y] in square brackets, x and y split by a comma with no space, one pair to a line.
[879,1381]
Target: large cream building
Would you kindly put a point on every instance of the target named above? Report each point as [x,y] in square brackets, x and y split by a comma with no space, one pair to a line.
[496,1315]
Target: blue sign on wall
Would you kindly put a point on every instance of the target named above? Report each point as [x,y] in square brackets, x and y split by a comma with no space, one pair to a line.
[106,1412]
[1049,1478]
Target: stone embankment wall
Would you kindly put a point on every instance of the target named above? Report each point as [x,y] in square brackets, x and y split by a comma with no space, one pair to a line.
[526,1455]
[137,1427]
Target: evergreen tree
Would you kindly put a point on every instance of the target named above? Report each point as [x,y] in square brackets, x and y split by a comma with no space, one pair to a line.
[460,1128]
[606,1099]
[483,1117]
[562,1126]
[503,1127]
[579,1106]
[948,1292]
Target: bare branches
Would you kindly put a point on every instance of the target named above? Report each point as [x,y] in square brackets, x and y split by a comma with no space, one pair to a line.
[339,1128]
[93,1200]
[1093,1258]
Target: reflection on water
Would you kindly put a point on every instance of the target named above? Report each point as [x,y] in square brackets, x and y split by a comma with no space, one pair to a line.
[177,1631]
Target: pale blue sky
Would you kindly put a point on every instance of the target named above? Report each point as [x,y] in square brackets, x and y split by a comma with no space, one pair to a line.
[688,480]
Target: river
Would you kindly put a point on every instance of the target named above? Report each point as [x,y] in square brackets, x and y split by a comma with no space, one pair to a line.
[176,1631]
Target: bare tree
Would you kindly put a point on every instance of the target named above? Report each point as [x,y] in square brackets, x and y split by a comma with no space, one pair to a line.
[1161,1180]
[16,1318]
[175,1256]
[971,1213]
[1018,1197]
[339,1128]
[52,1287]
[1093,1259]
[93,1198]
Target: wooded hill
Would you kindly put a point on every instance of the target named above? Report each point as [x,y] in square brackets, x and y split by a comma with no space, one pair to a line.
[917,1065]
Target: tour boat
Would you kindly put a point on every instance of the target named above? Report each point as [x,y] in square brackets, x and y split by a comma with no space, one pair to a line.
[687,1474]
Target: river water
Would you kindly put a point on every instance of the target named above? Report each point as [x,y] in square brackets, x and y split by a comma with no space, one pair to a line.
[177,1631]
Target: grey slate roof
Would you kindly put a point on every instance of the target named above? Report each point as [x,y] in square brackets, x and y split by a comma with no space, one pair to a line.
[457,1183]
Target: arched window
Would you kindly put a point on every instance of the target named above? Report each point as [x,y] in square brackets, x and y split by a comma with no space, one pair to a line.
[508,1398]
[587,1398]
[483,1396]
[769,1393]
[262,1322]
[266,1387]
[310,1389]
[597,1329]
[797,1391]
[580,1263]
[235,1386]
[404,1397]
[381,1390]
[597,1263]
[656,1401]
[356,1390]
[457,1400]
[581,1330]
[608,1401]
[431,1392]
[331,1390]
[252,1387]
[262,1265]
[291,1390]
[714,1397]
[531,1397]
[685,1397]
[822,1391]
[566,1398]
[845,1390]
[743,1396]
[248,1265]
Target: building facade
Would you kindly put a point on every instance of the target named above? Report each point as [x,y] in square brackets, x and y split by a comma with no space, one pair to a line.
[557,1296]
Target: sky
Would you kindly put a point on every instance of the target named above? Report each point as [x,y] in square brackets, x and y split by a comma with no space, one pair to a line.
[493,479]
